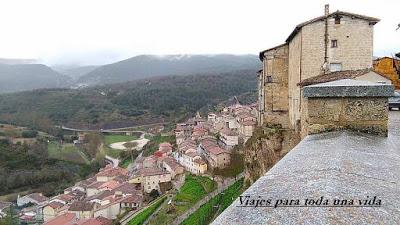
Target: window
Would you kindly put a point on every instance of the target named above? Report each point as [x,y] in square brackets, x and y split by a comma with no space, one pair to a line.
[337,20]
[334,44]
[269,79]
[335,67]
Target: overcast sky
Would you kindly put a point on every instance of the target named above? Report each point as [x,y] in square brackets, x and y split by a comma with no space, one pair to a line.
[96,32]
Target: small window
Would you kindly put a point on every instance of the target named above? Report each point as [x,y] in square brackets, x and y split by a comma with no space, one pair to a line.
[334,67]
[269,79]
[337,20]
[334,44]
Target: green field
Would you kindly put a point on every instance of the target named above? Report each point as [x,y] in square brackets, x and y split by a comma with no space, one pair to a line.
[210,210]
[125,163]
[110,139]
[142,216]
[66,152]
[194,189]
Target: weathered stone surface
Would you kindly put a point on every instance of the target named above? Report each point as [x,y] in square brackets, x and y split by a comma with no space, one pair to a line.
[365,114]
[341,165]
[348,88]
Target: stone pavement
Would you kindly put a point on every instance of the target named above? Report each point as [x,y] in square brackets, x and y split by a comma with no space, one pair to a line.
[345,166]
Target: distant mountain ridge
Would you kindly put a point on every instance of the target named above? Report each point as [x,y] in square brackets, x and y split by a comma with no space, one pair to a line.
[75,72]
[17,61]
[146,66]
[23,77]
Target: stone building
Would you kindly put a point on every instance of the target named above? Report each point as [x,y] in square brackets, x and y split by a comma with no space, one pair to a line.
[389,68]
[338,41]
[275,105]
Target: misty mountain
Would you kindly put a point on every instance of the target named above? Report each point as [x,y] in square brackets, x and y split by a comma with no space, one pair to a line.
[145,66]
[74,72]
[17,61]
[22,77]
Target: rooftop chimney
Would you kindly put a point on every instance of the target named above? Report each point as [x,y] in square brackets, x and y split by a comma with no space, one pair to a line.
[326,9]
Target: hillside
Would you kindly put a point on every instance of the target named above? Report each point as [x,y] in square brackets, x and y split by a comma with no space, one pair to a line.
[138,102]
[145,66]
[23,77]
[75,72]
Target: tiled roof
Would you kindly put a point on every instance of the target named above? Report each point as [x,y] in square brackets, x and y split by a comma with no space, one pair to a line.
[38,197]
[132,199]
[64,219]
[332,76]
[151,171]
[55,205]
[101,195]
[95,221]
[112,172]
[127,188]
[171,162]
[110,185]
[81,206]
[217,150]
[96,184]
[200,161]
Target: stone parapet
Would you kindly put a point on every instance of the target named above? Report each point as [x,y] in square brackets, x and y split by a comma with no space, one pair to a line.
[345,104]
[341,167]
[348,88]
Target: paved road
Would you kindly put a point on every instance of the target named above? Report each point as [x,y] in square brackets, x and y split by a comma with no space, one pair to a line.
[394,126]
[114,161]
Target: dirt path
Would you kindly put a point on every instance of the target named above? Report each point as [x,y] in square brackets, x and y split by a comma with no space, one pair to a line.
[142,141]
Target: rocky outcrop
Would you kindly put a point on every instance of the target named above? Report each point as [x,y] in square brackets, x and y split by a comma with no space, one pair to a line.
[266,147]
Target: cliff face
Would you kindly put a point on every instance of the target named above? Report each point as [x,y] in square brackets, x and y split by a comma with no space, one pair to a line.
[266,147]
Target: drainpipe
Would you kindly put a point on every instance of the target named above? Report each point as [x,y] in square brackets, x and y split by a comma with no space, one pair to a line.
[325,66]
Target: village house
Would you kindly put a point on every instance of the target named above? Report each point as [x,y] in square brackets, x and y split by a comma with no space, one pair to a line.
[53,209]
[151,179]
[109,173]
[229,138]
[34,198]
[389,68]
[191,161]
[170,165]
[246,129]
[213,154]
[82,209]
[335,42]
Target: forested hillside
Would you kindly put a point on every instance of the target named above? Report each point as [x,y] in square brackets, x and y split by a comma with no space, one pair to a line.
[139,102]
[146,66]
[22,77]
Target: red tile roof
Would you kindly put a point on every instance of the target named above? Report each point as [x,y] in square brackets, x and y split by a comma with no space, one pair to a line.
[81,206]
[55,205]
[152,171]
[95,221]
[64,219]
[112,172]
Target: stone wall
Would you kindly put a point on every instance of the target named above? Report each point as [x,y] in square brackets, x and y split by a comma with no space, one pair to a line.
[276,103]
[367,114]
[266,147]
[295,47]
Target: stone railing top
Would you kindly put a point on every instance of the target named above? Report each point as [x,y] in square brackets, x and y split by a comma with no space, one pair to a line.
[344,166]
[348,88]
